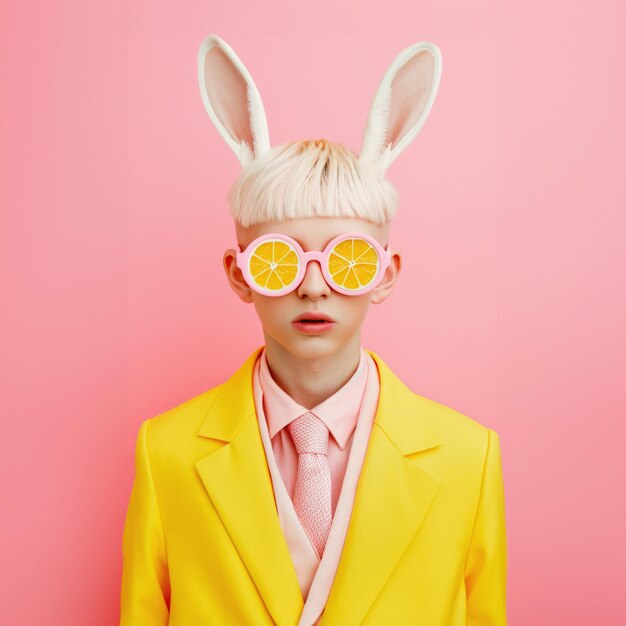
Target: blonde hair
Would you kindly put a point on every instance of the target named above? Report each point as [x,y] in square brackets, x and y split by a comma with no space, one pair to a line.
[310,178]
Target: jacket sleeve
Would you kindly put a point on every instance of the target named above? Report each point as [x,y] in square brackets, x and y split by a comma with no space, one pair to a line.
[145,588]
[486,563]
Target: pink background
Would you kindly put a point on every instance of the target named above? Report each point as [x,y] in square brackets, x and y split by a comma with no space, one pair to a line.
[510,306]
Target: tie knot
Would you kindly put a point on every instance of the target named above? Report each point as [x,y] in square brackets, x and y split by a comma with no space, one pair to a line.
[309,434]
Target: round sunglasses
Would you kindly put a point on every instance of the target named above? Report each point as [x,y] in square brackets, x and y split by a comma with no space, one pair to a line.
[352,263]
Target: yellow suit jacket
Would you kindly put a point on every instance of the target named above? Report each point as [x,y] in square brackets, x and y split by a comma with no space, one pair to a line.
[425,546]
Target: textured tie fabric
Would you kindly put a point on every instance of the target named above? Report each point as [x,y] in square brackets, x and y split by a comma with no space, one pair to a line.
[312,493]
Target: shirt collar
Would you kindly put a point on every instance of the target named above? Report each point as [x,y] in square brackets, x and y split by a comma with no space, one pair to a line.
[339,412]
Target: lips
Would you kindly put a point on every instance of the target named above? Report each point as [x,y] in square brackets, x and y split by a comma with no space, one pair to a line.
[312,327]
[313,316]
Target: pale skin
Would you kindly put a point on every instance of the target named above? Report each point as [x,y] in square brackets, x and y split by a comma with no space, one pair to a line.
[311,368]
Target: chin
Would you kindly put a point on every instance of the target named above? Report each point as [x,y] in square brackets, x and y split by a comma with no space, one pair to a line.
[312,346]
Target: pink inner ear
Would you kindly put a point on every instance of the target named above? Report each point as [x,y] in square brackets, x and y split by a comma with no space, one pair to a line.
[409,91]
[228,93]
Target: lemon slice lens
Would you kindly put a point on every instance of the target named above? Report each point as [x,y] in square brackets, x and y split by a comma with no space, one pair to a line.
[274,264]
[353,263]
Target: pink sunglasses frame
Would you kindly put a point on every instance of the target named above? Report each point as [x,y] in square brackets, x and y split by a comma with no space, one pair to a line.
[243,262]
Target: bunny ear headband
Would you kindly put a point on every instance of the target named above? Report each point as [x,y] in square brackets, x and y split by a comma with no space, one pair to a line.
[401,105]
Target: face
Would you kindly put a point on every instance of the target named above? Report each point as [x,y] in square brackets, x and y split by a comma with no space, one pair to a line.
[277,313]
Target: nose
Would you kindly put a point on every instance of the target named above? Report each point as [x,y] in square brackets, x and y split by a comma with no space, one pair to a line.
[313,283]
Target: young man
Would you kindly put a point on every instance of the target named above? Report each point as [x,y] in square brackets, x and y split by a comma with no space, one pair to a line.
[314,487]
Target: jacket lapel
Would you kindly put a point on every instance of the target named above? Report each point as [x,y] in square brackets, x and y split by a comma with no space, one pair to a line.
[237,479]
[393,496]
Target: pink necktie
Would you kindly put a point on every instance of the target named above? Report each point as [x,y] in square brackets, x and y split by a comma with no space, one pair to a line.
[312,493]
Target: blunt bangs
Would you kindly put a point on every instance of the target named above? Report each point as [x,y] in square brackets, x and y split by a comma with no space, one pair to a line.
[310,178]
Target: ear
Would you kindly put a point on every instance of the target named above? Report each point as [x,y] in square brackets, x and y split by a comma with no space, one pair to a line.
[235,276]
[401,104]
[232,100]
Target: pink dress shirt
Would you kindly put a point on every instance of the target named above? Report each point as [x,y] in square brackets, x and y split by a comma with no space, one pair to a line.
[339,412]
[349,414]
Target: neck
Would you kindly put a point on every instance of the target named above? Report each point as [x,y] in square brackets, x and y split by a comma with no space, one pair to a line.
[311,380]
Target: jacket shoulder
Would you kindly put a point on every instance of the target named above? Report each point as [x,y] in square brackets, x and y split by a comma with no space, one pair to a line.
[172,429]
[465,436]
[443,423]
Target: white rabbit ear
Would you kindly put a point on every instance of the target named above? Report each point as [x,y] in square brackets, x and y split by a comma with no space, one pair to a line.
[232,100]
[401,104]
